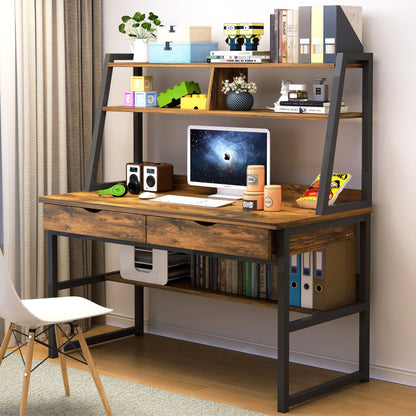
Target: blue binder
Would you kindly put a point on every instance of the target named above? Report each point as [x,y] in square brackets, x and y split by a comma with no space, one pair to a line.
[294,280]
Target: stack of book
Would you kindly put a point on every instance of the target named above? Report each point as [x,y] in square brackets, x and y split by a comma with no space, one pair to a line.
[233,276]
[306,107]
[314,34]
[247,57]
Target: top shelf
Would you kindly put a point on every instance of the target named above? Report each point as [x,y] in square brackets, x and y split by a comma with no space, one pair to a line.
[131,64]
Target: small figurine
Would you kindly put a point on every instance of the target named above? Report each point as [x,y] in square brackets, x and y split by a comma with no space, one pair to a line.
[284,91]
[234,38]
[251,33]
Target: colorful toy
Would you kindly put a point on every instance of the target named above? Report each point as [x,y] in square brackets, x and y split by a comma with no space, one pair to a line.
[140,83]
[251,33]
[194,101]
[234,38]
[129,99]
[145,99]
[172,96]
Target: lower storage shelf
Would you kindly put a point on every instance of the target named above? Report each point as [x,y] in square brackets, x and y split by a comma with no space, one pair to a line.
[184,286]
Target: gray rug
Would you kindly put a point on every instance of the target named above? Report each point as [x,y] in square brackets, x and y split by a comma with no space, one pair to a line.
[47,397]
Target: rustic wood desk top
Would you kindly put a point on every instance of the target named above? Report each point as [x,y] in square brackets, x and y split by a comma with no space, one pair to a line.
[290,216]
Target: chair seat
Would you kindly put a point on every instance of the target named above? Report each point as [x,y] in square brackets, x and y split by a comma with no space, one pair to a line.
[62,309]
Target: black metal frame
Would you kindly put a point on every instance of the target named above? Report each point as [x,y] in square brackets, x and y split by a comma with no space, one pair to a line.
[100,115]
[365,60]
[285,325]
[342,60]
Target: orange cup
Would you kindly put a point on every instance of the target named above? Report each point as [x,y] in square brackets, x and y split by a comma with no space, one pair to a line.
[272,198]
[255,178]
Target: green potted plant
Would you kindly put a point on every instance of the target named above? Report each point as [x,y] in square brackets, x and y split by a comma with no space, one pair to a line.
[239,93]
[140,29]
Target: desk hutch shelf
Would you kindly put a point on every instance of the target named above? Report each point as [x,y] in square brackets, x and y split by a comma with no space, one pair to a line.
[273,237]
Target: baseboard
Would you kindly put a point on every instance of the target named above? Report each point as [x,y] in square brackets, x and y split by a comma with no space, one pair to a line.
[379,372]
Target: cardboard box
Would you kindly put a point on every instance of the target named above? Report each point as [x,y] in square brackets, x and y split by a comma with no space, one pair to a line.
[180,52]
[177,33]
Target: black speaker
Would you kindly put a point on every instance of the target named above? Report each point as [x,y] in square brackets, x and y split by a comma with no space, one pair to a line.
[134,177]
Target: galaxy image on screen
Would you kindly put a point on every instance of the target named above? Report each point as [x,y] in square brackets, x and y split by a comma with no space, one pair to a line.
[222,156]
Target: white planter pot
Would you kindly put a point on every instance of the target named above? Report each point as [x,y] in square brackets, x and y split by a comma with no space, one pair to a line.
[140,49]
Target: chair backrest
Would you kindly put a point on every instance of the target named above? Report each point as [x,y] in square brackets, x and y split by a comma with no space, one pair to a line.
[11,306]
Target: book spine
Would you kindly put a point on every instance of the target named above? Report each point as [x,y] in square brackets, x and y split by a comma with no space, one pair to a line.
[254,280]
[279,38]
[272,39]
[330,33]
[193,270]
[234,277]
[284,36]
[305,34]
[306,110]
[247,278]
[293,103]
[317,34]
[262,281]
[248,60]
[274,280]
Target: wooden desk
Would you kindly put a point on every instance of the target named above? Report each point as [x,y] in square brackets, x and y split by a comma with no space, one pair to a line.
[227,231]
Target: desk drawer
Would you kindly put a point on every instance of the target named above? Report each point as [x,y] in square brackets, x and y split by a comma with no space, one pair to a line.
[96,223]
[211,237]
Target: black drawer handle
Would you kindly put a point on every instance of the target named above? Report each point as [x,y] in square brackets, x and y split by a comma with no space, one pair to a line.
[93,210]
[205,223]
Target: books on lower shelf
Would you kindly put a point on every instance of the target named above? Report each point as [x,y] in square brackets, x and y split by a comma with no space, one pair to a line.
[243,278]
[322,279]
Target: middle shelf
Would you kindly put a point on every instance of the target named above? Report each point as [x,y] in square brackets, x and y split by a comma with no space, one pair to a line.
[252,113]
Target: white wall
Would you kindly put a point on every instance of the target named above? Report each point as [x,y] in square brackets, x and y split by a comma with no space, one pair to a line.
[297,147]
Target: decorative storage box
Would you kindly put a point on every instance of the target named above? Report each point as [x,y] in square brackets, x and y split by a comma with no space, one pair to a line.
[176,33]
[180,52]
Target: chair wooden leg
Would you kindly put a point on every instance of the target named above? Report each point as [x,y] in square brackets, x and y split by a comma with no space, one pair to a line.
[27,370]
[93,370]
[62,359]
[6,341]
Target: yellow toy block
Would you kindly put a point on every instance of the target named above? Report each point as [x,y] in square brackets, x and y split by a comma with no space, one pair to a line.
[141,84]
[194,102]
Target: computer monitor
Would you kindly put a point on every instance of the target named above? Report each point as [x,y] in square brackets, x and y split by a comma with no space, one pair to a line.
[218,157]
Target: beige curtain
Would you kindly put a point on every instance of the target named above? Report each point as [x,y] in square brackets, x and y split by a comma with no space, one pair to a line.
[62,66]
[83,77]
[44,133]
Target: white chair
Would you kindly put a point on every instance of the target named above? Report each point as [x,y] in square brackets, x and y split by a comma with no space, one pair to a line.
[34,313]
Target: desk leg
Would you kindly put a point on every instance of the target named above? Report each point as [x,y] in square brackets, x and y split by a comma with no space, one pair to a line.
[138,310]
[364,337]
[52,283]
[283,323]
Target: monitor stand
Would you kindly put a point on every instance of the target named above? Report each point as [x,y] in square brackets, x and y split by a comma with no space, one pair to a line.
[225,193]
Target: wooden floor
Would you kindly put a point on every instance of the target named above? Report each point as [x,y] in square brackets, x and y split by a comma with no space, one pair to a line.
[239,379]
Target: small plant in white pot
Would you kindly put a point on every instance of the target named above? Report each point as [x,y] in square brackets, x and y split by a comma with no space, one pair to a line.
[140,29]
